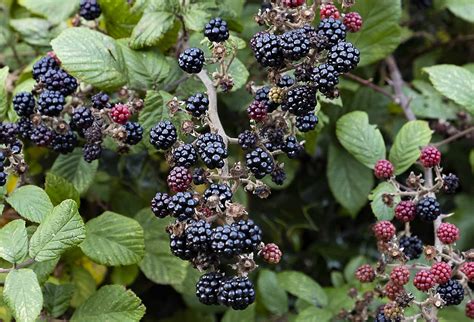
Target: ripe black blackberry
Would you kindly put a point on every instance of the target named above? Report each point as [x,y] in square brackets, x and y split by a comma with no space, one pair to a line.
[247,140]
[252,234]
[261,95]
[450,183]
[236,292]
[344,57]
[8,132]
[43,65]
[24,104]
[221,191]
[259,162]
[198,236]
[89,9]
[273,138]
[191,60]
[199,176]
[182,205]
[278,176]
[427,209]
[178,247]
[134,133]
[227,241]
[207,287]
[412,246]
[451,292]
[325,78]
[101,101]
[163,135]
[64,143]
[51,103]
[82,117]
[185,155]
[94,134]
[285,81]
[332,31]
[197,104]
[216,30]
[42,135]
[3,178]
[307,122]
[92,152]
[294,44]
[292,147]
[159,204]
[59,80]
[212,150]
[267,49]
[25,128]
[300,100]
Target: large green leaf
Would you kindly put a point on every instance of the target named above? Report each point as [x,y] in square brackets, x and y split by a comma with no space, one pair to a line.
[363,140]
[196,15]
[302,286]
[239,74]
[406,148]
[14,241]
[61,229]
[84,285]
[314,314]
[380,209]
[110,303]
[57,298]
[119,18]
[349,181]
[113,239]
[247,315]
[380,33]
[22,294]
[462,8]
[273,297]
[3,92]
[54,10]
[92,57]
[34,31]
[60,189]
[454,82]
[31,202]
[151,29]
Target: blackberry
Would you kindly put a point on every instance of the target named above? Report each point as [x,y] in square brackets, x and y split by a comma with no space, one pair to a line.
[306,122]
[380,317]
[236,292]
[16,146]
[182,205]
[329,11]
[8,132]
[179,179]
[267,49]
[163,135]
[285,81]
[278,176]
[365,273]
[216,30]
[24,104]
[64,143]
[384,230]
[259,162]
[353,21]
[292,148]
[199,176]
[273,138]
[191,60]
[344,57]
[300,100]
[100,101]
[332,31]
[42,135]
[221,191]
[59,80]
[92,152]
[197,104]
[450,183]
[383,169]
[427,209]
[227,241]
[82,117]
[185,155]
[207,287]
[271,253]
[89,9]
[325,78]
[159,204]
[42,66]
[198,236]
[179,248]
[3,178]
[120,113]
[51,103]
[257,110]
[412,246]
[262,95]
[134,133]
[247,140]
[93,134]
[451,292]
[294,44]
[212,150]
[252,234]
[25,128]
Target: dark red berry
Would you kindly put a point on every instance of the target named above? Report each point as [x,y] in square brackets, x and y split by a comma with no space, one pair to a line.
[179,179]
[258,110]
[441,272]
[405,211]
[383,169]
[384,230]
[293,3]
[400,275]
[120,113]
[470,309]
[424,280]
[430,156]
[447,233]
[353,21]
[392,290]
[365,273]
[271,253]
[329,11]
[468,270]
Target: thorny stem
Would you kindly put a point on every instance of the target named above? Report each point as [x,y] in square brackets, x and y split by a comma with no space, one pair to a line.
[24,264]
[455,137]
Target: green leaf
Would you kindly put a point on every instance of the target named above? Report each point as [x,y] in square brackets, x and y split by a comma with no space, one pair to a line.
[124,275]
[314,314]
[57,298]
[22,294]
[363,140]
[380,209]
[61,229]
[350,182]
[196,16]
[151,28]
[113,240]
[92,57]
[273,297]
[406,148]
[73,168]
[380,33]
[14,241]
[31,202]
[462,8]
[84,285]
[54,10]
[44,269]
[119,18]
[239,74]
[454,82]
[352,266]
[60,189]
[110,303]
[302,286]
[34,31]
[3,92]
[247,315]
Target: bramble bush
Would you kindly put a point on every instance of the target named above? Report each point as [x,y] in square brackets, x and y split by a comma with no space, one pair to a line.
[180,160]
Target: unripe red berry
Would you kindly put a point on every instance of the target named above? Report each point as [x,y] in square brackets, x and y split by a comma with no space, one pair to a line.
[468,270]
[392,290]
[424,280]
[271,253]
[179,179]
[353,21]
[120,113]
[430,156]
[447,233]
[329,11]
[293,3]
[383,169]
[258,110]
[400,275]
[470,309]
[384,230]
[405,211]
[441,272]
[365,273]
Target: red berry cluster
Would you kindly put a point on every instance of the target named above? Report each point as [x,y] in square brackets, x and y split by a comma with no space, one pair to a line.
[271,253]
[441,272]
[405,211]
[430,156]
[468,270]
[448,233]
[400,275]
[329,11]
[384,230]
[353,21]
[424,280]
[120,113]
[383,169]
[293,3]
[365,274]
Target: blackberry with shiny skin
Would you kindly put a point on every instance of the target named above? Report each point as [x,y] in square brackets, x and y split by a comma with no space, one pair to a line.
[451,292]
[42,66]
[222,191]
[185,155]
[59,80]
[227,241]
[64,143]
[179,179]
[292,148]
[24,104]
[252,234]
[300,100]
[89,9]
[198,236]
[427,209]
[247,140]
[91,152]
[267,49]
[216,30]
[273,138]
[101,101]
[236,292]
[134,133]
[285,81]
[82,117]
[207,287]
[307,122]
[16,146]
[259,162]
[450,183]
[182,205]
[179,248]
[191,60]
[8,132]
[25,128]
[212,150]
[197,104]
[412,246]
[163,135]
[42,135]
[199,176]
[332,31]
[344,57]
[51,103]
[159,204]
[294,44]
[325,78]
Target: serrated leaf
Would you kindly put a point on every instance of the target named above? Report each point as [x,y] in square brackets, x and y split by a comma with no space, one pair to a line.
[151,29]
[239,74]
[3,92]
[302,286]
[462,8]
[110,303]
[84,285]
[380,209]
[247,315]
[406,148]
[119,18]
[22,294]
[92,57]
[113,240]
[73,168]
[57,298]
[60,230]
[196,16]
[363,140]
[60,189]
[14,241]
[54,10]
[34,31]
[44,269]
[273,297]
[314,314]
[31,202]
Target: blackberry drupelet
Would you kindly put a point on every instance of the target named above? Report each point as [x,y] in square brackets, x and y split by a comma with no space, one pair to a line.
[198,236]
[163,135]
[182,205]
[59,80]
[207,287]
[427,209]
[450,183]
[216,30]
[64,143]
[278,176]
[43,65]
[82,117]
[191,60]
[134,133]
[227,241]
[159,204]
[325,78]
[451,292]
[252,234]
[185,155]
[212,150]
[24,104]
[197,104]
[91,152]
[332,30]
[412,246]
[306,122]
[221,191]
[295,44]
[199,176]
[285,81]
[25,128]
[292,148]
[344,57]
[51,103]
[89,9]
[101,101]
[42,135]
[300,100]
[236,292]
[267,49]
[247,140]
[8,132]
[179,248]
[259,162]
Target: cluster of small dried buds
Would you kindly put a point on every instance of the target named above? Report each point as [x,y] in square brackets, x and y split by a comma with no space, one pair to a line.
[445,280]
